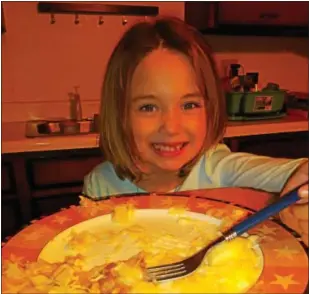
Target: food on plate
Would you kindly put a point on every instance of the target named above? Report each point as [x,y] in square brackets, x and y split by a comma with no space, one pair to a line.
[123,213]
[114,260]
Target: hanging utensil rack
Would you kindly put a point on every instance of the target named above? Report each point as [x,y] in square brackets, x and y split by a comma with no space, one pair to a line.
[96,9]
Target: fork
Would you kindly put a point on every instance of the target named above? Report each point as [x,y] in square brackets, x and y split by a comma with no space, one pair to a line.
[187,266]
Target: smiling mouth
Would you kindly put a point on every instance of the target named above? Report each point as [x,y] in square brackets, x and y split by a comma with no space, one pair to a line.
[169,149]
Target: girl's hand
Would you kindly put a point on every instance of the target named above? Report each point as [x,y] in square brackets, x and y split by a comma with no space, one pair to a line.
[303,194]
[296,216]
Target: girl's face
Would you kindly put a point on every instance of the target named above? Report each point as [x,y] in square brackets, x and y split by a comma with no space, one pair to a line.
[166,111]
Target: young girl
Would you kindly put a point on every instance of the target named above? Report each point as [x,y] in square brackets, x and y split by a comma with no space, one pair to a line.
[163,117]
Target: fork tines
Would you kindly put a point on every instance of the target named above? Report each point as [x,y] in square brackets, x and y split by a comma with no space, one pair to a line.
[169,271]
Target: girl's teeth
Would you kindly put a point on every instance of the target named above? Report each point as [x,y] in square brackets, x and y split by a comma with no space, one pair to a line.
[167,148]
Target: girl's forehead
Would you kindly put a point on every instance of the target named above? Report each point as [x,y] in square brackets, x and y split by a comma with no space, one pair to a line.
[163,70]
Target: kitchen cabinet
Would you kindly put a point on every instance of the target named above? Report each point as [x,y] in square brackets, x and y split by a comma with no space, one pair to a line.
[62,184]
[37,184]
[7,179]
[10,213]
[287,145]
[67,170]
[255,18]
[264,13]
[11,220]
[43,206]
[293,145]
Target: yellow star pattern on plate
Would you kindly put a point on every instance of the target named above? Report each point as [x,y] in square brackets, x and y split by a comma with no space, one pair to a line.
[204,205]
[286,252]
[168,201]
[60,219]
[79,209]
[215,212]
[238,213]
[266,230]
[260,283]
[35,233]
[259,286]
[264,239]
[133,202]
[284,281]
[220,213]
[106,205]
[33,236]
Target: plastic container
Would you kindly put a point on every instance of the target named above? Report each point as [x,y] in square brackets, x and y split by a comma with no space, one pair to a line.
[263,104]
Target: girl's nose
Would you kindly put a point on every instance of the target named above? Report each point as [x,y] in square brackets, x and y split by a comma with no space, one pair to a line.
[170,122]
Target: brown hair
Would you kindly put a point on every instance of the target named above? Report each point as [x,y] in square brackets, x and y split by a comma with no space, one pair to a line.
[116,140]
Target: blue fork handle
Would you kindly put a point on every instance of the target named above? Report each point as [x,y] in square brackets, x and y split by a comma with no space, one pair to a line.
[284,201]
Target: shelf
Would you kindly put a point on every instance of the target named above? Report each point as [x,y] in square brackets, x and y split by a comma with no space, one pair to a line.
[96,9]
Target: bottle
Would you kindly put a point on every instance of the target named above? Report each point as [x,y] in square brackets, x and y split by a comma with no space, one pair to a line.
[75,106]
[234,77]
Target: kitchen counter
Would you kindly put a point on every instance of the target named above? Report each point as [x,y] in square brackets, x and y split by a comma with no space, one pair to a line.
[14,140]
[287,124]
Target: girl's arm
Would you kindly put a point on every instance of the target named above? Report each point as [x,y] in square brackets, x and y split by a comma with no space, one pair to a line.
[296,216]
[238,169]
[275,175]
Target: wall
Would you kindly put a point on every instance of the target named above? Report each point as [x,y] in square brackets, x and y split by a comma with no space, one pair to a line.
[278,59]
[41,62]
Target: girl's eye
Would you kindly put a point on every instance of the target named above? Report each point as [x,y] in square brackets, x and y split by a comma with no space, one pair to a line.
[191,105]
[148,108]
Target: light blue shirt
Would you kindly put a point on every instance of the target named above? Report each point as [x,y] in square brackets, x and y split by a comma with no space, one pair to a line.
[216,168]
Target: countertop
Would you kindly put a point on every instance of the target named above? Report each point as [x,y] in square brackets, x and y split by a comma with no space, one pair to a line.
[14,140]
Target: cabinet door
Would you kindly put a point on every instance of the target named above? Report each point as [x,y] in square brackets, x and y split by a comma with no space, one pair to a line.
[293,145]
[201,14]
[7,178]
[52,204]
[8,181]
[49,173]
[10,218]
[264,13]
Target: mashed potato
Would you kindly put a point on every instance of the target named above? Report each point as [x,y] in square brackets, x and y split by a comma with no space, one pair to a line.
[230,267]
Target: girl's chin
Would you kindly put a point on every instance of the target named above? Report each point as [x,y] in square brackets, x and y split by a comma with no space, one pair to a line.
[150,167]
[171,168]
[155,163]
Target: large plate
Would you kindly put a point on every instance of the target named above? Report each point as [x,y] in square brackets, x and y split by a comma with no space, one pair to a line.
[155,221]
[285,260]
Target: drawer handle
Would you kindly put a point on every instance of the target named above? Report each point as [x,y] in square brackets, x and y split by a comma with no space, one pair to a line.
[269,15]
